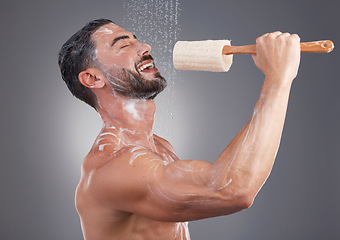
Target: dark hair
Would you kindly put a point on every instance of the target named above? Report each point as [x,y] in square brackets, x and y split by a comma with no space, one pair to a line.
[76,55]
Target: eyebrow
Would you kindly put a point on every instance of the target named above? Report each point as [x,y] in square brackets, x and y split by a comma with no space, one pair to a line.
[121,38]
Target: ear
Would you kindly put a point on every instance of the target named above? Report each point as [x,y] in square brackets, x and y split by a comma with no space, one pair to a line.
[92,78]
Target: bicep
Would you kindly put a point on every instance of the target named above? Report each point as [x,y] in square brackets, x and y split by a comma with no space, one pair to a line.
[187,191]
[146,185]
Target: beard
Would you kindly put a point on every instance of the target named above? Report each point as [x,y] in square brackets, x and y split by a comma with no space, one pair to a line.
[134,85]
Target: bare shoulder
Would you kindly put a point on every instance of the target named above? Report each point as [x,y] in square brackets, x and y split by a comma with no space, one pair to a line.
[106,150]
[116,178]
[109,153]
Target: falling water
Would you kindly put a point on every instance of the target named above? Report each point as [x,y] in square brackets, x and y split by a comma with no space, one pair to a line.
[155,22]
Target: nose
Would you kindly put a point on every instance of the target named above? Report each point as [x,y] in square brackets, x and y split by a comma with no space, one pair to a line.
[144,49]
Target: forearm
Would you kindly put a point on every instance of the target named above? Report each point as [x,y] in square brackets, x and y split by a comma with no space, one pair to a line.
[246,163]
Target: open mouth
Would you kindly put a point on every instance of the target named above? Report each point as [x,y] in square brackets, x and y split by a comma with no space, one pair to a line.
[146,65]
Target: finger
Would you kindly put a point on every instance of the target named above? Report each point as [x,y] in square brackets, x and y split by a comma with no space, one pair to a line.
[277,33]
[274,35]
[284,35]
[295,36]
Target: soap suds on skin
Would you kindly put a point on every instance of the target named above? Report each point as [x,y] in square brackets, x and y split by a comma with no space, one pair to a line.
[156,23]
[101,146]
[230,180]
[105,31]
[182,230]
[130,107]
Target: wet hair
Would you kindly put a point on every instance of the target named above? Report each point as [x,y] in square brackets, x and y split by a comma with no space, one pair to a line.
[76,55]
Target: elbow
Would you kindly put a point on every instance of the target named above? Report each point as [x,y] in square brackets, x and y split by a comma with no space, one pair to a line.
[237,201]
[245,201]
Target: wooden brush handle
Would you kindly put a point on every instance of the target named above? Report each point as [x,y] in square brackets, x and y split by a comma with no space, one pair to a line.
[324,46]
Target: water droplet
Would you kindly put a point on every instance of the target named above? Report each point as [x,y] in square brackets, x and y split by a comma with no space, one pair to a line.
[155,22]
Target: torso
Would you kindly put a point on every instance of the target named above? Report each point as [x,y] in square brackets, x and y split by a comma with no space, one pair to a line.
[107,223]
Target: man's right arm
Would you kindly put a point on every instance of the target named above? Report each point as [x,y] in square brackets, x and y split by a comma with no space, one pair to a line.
[192,189]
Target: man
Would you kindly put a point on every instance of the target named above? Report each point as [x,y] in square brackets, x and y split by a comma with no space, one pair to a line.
[133,186]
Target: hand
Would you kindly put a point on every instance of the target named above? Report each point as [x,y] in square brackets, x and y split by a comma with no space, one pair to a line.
[278,55]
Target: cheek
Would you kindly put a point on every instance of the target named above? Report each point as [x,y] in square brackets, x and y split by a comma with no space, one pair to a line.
[126,60]
[121,60]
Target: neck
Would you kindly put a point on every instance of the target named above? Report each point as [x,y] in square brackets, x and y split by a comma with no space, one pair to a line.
[132,118]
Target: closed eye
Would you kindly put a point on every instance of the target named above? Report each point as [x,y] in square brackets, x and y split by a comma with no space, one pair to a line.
[124,46]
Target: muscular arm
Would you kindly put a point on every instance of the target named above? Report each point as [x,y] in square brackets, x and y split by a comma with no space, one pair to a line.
[249,158]
[192,189]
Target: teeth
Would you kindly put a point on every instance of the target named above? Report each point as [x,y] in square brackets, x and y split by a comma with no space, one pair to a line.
[145,66]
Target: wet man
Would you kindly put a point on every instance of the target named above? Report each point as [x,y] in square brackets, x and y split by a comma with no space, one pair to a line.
[133,186]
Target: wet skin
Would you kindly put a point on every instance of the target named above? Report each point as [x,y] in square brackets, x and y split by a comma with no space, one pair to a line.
[133,186]
[125,138]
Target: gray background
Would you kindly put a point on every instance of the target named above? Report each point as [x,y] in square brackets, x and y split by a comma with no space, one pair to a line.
[45,132]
